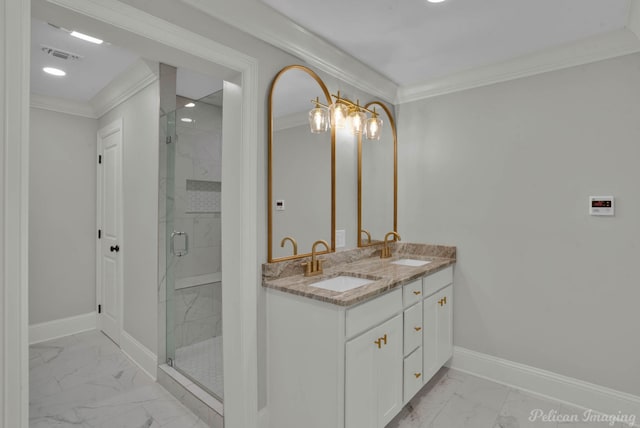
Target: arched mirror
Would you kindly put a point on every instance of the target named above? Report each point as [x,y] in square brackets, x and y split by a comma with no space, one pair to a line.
[378,181]
[301,188]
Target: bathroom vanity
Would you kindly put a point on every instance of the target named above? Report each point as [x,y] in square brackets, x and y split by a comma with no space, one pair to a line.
[354,358]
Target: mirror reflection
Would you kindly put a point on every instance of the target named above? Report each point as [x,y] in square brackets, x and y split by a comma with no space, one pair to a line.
[377,181]
[301,201]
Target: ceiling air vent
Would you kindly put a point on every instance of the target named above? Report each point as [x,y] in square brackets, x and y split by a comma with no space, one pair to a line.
[59,53]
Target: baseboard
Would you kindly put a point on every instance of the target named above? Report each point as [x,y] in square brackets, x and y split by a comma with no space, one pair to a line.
[62,327]
[139,354]
[546,384]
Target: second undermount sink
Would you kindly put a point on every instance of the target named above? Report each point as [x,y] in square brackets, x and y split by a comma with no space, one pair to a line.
[410,262]
[341,283]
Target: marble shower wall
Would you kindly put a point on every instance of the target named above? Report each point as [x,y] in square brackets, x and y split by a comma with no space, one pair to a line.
[198,160]
[197,314]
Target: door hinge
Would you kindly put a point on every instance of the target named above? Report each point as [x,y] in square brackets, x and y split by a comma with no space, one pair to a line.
[168,139]
[99,234]
[99,309]
[99,159]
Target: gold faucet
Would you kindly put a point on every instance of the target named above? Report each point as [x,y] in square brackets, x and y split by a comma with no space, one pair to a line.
[386,251]
[314,267]
[366,233]
[293,242]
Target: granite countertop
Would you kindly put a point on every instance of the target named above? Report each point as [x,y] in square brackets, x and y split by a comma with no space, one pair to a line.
[361,263]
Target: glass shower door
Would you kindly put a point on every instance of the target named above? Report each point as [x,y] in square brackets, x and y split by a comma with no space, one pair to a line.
[193,276]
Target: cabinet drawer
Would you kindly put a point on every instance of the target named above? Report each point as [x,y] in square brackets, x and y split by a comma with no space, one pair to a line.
[437,281]
[371,313]
[413,377]
[412,328]
[412,292]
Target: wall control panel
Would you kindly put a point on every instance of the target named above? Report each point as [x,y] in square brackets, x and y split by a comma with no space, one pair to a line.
[279,204]
[601,205]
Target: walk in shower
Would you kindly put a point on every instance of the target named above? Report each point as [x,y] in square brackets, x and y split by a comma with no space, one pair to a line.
[193,238]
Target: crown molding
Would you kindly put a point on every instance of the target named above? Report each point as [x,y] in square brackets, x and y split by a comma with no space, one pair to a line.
[61,105]
[140,75]
[261,21]
[609,45]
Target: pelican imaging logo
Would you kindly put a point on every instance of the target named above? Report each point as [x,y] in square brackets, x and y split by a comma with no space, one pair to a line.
[589,416]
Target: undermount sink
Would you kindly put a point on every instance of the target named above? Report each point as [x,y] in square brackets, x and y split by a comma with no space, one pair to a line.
[341,283]
[410,262]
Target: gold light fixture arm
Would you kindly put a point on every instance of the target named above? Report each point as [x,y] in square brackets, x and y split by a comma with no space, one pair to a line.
[348,103]
[293,242]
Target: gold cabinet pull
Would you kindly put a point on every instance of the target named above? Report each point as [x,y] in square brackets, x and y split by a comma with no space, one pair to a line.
[417,293]
[417,375]
[417,328]
[381,341]
[443,301]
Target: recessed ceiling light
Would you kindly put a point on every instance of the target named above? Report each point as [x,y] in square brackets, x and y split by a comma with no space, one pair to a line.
[54,71]
[86,38]
[190,105]
[187,119]
[435,1]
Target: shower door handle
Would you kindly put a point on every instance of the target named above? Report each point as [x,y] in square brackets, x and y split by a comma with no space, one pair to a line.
[181,252]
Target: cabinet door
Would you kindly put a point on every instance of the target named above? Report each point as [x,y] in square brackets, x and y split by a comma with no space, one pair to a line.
[445,325]
[373,376]
[430,318]
[437,338]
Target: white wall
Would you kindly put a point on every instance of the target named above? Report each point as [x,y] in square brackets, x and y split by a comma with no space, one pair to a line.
[504,172]
[140,115]
[62,218]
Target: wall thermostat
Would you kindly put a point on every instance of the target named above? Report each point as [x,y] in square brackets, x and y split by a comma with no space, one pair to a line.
[601,205]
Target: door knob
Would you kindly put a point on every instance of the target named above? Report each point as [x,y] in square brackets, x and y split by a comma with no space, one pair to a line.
[115,249]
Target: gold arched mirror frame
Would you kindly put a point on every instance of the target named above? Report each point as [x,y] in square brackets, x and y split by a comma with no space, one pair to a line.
[270,195]
[362,232]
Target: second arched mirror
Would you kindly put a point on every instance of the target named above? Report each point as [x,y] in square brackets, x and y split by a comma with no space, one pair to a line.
[378,181]
[301,188]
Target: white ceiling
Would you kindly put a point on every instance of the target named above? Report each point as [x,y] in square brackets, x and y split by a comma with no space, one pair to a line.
[85,77]
[98,66]
[413,41]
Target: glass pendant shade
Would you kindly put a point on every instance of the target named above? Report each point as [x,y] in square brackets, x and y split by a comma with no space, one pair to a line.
[356,122]
[339,114]
[318,120]
[373,128]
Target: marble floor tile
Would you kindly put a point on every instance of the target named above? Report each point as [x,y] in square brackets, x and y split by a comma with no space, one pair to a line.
[527,410]
[475,403]
[84,381]
[428,403]
[586,419]
[457,400]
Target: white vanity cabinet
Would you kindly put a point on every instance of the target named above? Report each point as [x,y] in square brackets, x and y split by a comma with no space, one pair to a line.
[355,367]
[373,375]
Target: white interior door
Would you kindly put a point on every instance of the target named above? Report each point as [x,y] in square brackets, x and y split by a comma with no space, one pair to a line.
[109,248]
